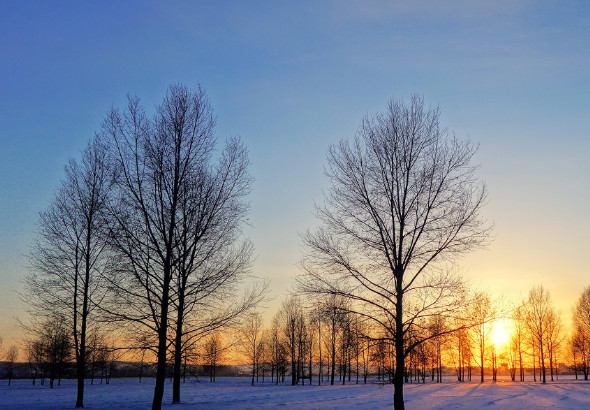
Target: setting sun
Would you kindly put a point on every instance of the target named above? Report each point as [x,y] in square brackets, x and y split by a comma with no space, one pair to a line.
[500,334]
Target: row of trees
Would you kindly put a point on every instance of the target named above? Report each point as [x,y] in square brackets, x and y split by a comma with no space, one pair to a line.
[144,234]
[299,341]
[49,353]
[328,339]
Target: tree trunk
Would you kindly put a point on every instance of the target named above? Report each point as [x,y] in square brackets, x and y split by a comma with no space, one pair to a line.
[543,364]
[293,364]
[320,375]
[162,340]
[481,357]
[178,348]
[333,353]
[81,364]
[398,379]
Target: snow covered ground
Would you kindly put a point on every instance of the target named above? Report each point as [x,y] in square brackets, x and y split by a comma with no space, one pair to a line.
[236,393]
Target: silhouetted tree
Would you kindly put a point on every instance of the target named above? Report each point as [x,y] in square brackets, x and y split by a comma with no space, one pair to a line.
[482,314]
[403,197]
[518,338]
[176,219]
[538,310]
[251,334]
[212,264]
[331,310]
[580,348]
[291,319]
[11,356]
[52,348]
[555,338]
[154,158]
[278,349]
[213,350]
[68,256]
[581,324]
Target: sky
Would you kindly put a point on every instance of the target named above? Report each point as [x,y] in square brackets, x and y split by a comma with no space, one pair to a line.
[292,78]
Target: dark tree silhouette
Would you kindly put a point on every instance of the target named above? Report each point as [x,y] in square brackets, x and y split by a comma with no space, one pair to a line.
[68,257]
[482,313]
[581,337]
[52,348]
[251,334]
[538,311]
[176,219]
[10,359]
[154,160]
[403,199]
[213,351]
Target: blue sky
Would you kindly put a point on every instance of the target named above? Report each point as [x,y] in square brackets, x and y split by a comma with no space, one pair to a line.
[294,77]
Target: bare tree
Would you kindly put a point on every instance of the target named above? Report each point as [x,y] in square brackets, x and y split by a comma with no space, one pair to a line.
[212,355]
[211,265]
[581,337]
[153,159]
[555,338]
[10,359]
[251,335]
[143,344]
[68,256]
[176,220]
[538,312]
[518,336]
[437,327]
[292,323]
[482,315]
[331,311]
[404,198]
[52,348]
[278,350]
[463,345]
[581,349]
[33,365]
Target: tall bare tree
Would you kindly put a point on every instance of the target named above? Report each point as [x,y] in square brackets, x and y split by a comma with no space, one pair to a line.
[404,198]
[212,264]
[177,219]
[68,256]
[154,159]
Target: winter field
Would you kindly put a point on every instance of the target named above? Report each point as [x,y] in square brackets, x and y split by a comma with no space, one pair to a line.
[237,393]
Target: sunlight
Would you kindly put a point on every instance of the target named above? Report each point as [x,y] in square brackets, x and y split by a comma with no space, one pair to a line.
[500,334]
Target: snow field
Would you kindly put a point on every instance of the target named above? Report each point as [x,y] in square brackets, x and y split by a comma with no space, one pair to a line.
[237,393]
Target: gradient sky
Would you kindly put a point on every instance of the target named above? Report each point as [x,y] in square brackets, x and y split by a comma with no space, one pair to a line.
[294,77]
